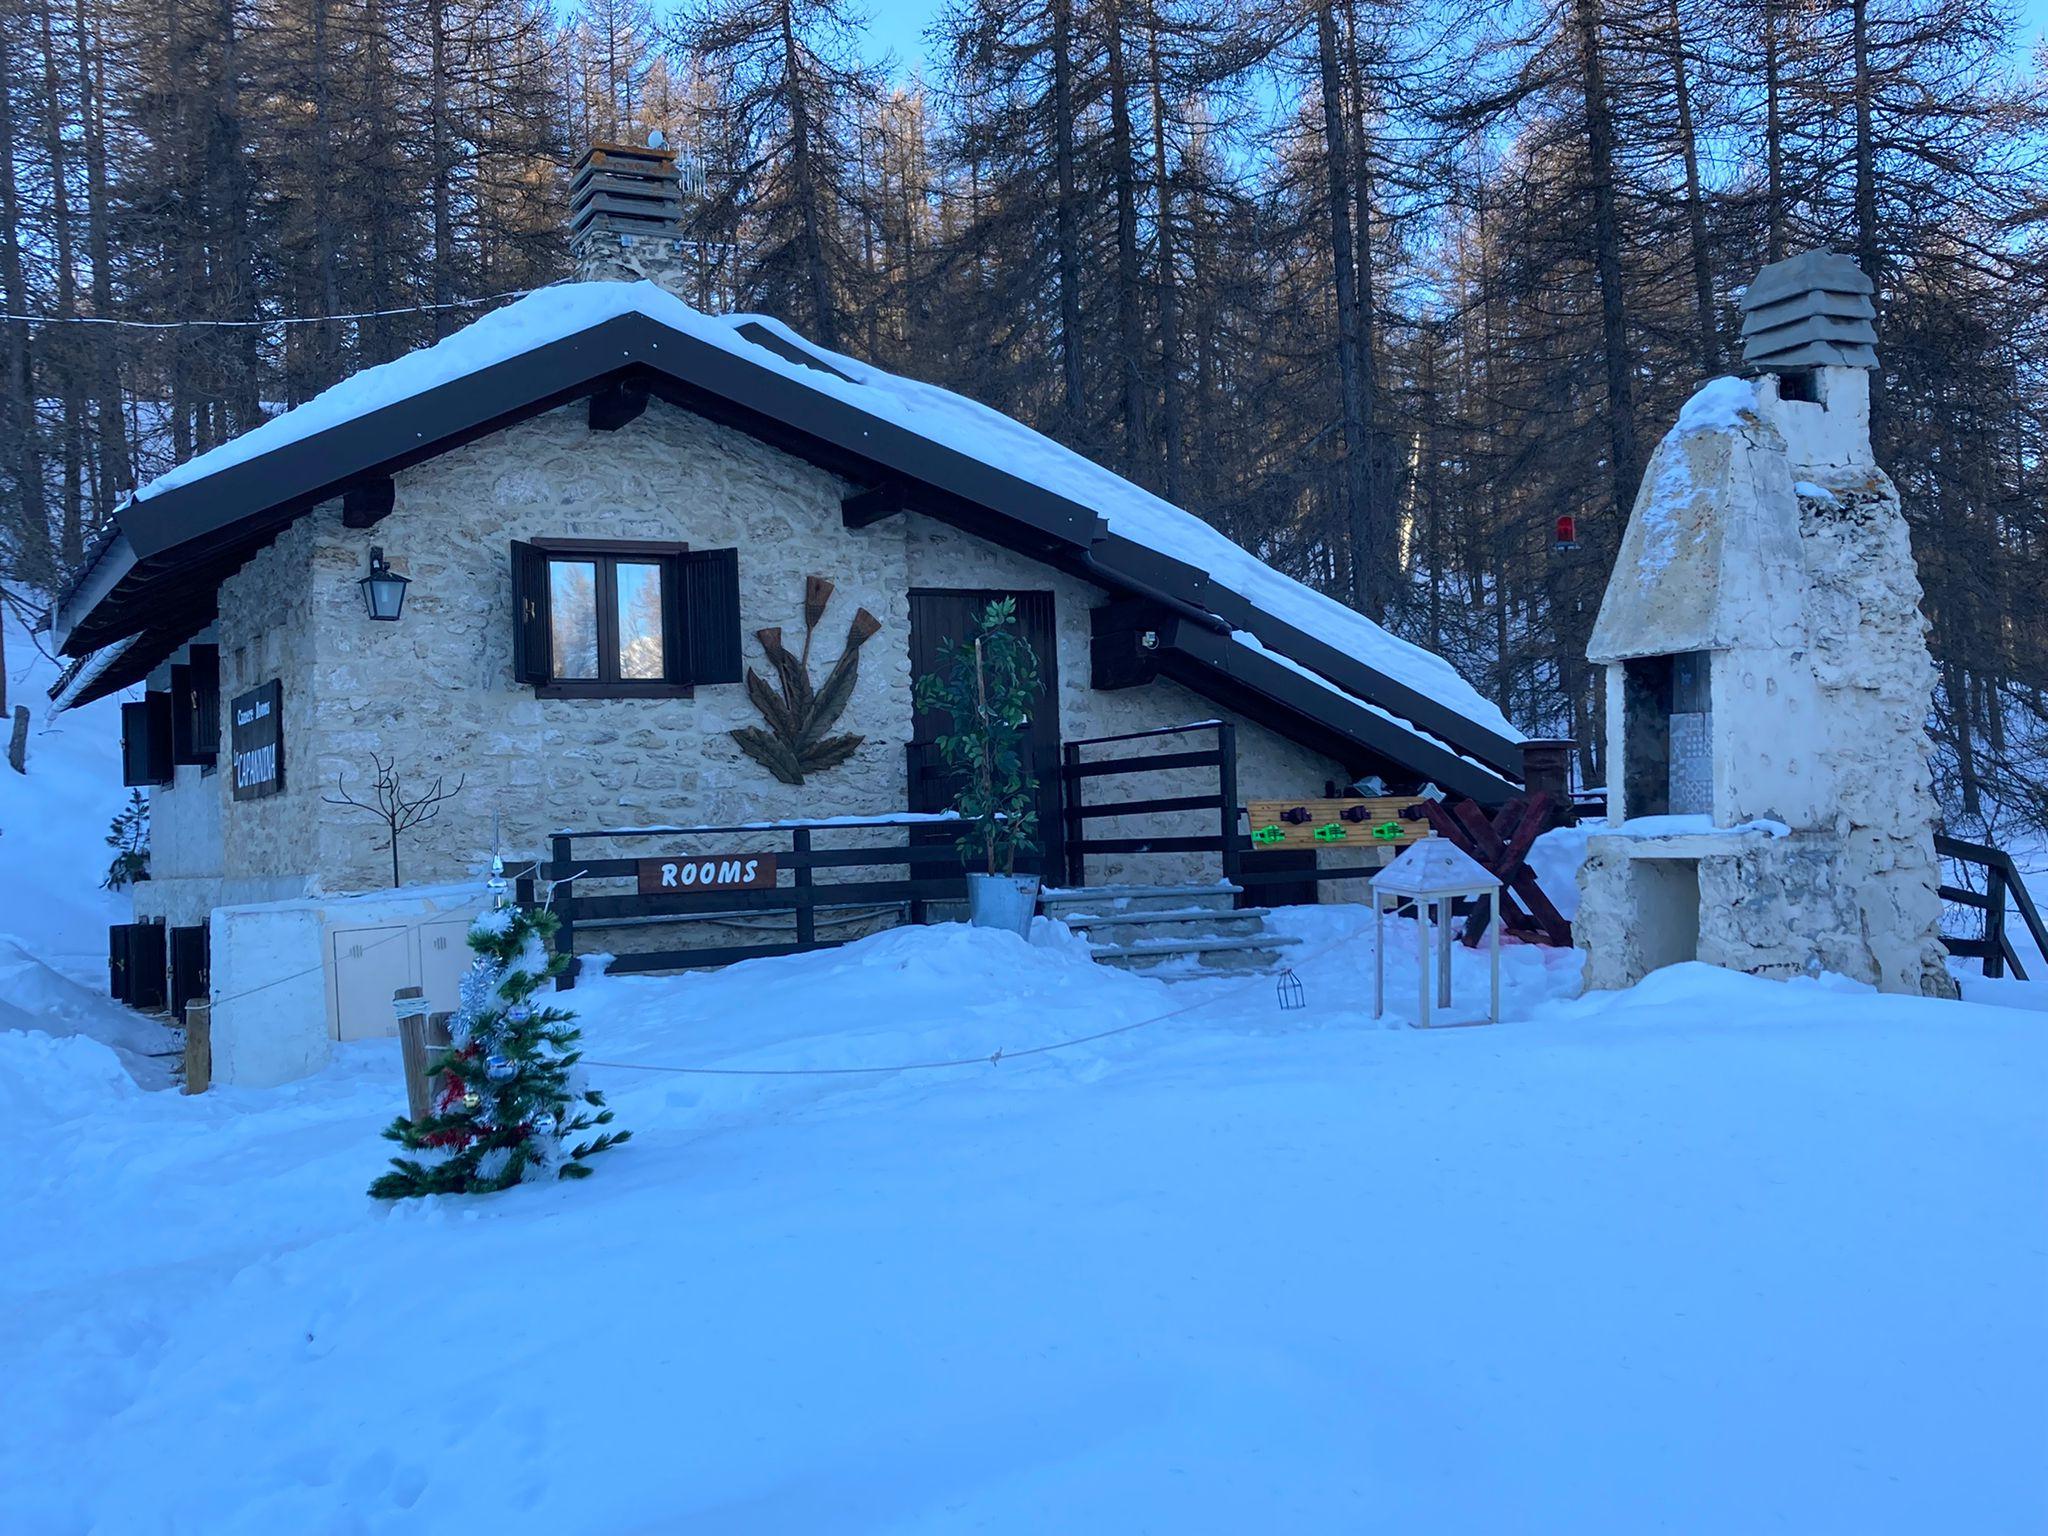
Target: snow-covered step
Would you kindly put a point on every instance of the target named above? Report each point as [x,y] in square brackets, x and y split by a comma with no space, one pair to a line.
[1254,953]
[1058,901]
[1189,923]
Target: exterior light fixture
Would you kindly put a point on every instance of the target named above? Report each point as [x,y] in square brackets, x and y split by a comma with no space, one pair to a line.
[383,589]
[1149,640]
[1567,533]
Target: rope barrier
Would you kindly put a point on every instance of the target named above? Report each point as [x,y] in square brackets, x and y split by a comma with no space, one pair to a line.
[199,325]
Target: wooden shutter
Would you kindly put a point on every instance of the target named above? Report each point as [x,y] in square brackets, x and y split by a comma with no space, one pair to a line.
[195,708]
[146,967]
[188,967]
[531,658]
[146,741]
[708,581]
[117,962]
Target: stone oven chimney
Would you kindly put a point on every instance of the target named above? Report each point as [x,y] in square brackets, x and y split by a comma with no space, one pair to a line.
[626,216]
[1768,681]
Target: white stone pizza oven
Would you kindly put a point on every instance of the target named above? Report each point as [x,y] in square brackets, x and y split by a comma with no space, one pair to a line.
[1767,675]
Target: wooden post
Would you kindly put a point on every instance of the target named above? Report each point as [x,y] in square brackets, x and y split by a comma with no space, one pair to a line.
[421,1036]
[1226,784]
[565,910]
[1994,921]
[806,916]
[1070,808]
[198,1046]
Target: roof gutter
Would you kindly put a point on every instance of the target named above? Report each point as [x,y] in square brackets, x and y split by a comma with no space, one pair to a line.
[1179,607]
[90,587]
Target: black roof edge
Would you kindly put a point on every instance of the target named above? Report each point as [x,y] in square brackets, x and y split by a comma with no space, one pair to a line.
[1314,701]
[1165,577]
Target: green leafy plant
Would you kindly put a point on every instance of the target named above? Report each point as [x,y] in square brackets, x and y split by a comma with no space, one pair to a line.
[989,684]
[129,838]
[799,715]
[506,1102]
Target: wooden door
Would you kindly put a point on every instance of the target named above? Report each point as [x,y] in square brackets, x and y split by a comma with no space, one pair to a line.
[938,615]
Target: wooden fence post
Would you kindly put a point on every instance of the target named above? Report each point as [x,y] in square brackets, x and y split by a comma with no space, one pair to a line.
[198,1046]
[806,914]
[564,898]
[1226,787]
[1076,871]
[1994,921]
[421,1036]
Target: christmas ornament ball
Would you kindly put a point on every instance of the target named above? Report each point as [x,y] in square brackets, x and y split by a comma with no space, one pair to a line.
[519,1013]
[499,1070]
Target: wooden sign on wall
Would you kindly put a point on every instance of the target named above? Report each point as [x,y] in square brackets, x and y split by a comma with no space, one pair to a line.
[256,733]
[707,872]
[1373,822]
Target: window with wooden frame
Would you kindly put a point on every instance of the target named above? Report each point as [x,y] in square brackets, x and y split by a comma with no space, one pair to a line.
[623,618]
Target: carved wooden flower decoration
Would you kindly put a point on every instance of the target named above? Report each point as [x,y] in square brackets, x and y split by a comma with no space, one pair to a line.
[799,715]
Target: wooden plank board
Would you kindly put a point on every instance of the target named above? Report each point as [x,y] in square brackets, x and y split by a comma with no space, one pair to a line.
[1374,822]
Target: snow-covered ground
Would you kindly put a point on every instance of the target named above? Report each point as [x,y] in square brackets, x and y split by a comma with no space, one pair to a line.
[1714,1255]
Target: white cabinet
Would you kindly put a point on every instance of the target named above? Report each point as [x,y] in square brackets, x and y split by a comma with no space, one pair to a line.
[367,964]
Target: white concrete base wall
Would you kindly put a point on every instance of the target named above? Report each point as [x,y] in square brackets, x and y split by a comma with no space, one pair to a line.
[1769,906]
[279,977]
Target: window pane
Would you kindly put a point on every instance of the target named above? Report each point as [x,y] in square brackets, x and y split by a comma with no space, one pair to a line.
[572,599]
[640,654]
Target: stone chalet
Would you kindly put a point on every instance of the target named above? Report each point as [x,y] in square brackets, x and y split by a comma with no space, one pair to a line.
[605,502]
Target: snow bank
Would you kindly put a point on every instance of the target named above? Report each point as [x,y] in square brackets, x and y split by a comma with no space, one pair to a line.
[35,997]
[47,1079]
[53,823]
[935,414]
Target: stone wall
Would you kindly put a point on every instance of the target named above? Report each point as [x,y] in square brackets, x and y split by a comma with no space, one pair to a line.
[267,629]
[435,691]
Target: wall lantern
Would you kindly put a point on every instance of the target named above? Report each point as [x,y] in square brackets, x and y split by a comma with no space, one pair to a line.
[383,589]
[1567,533]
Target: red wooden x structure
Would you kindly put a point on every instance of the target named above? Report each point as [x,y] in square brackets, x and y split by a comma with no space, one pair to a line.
[1503,845]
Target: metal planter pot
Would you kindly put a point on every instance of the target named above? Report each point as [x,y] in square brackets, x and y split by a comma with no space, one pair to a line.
[1002,901]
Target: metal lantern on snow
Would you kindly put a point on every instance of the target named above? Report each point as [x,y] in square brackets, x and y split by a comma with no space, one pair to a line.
[1430,874]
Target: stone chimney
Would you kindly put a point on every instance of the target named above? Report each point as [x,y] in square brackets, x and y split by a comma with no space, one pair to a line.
[1768,680]
[626,216]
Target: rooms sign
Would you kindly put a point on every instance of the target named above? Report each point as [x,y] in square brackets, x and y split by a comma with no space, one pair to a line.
[256,735]
[707,872]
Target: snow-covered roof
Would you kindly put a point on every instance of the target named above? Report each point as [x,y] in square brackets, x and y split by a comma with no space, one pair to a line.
[938,417]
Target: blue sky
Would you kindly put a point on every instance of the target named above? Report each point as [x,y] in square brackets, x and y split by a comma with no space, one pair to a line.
[897,26]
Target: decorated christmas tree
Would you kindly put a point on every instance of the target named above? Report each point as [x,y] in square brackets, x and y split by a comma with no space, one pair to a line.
[507,1101]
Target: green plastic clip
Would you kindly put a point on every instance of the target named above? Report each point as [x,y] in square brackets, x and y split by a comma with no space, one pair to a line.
[1388,831]
[1332,832]
[1266,836]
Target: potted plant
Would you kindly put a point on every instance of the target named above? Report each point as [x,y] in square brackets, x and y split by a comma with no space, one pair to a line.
[989,685]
